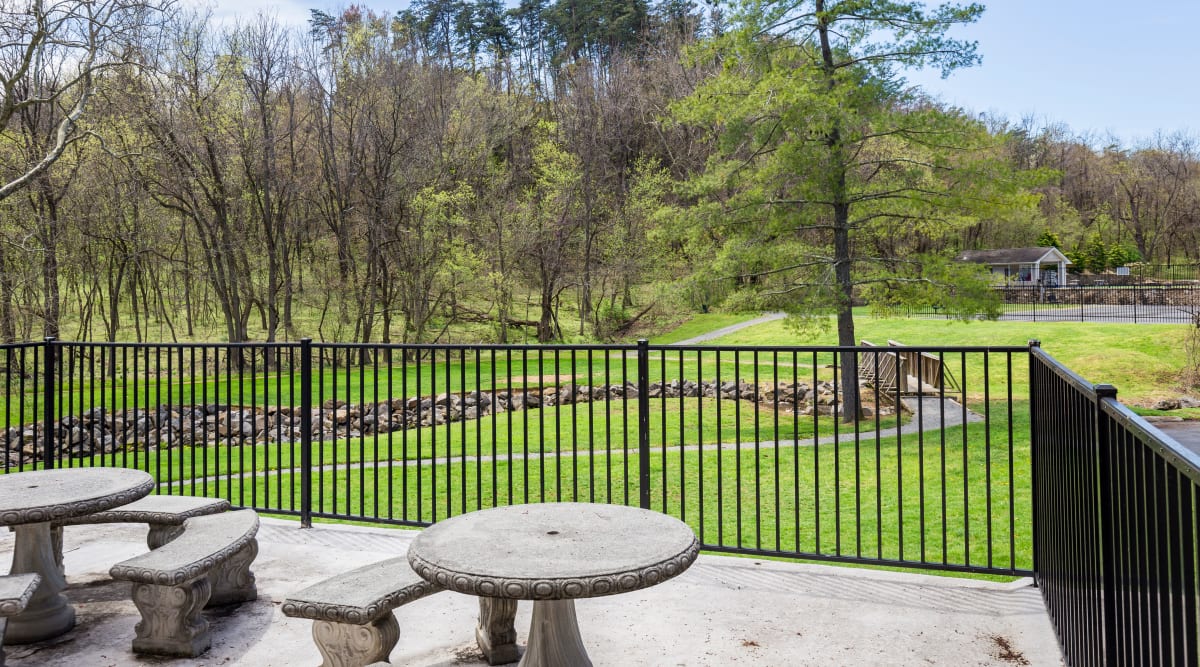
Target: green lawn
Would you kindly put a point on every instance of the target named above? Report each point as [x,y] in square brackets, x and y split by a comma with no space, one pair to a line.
[700,324]
[580,427]
[945,496]
[1143,361]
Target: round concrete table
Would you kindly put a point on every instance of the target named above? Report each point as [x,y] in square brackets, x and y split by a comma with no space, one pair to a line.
[29,501]
[553,553]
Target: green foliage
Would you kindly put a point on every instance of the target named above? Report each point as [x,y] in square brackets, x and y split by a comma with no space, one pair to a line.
[1120,254]
[830,181]
[1048,239]
[462,171]
[1096,256]
[610,319]
[959,289]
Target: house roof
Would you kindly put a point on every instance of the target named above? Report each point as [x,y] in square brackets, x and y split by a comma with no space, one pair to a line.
[1014,256]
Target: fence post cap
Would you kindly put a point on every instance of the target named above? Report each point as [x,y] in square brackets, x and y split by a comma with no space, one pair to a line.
[1033,342]
[1105,390]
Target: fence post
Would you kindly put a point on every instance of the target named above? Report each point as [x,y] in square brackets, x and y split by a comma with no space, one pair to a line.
[306,433]
[1033,450]
[49,428]
[643,387]
[1104,529]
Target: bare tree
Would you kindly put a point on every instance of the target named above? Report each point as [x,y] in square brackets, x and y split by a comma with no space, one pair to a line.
[1154,186]
[190,166]
[52,53]
[269,146]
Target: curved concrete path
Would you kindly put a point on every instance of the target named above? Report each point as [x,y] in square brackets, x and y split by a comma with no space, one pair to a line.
[724,331]
[928,414]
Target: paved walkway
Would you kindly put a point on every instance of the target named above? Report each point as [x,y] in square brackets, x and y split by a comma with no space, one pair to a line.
[724,331]
[1186,433]
[723,611]
[928,414]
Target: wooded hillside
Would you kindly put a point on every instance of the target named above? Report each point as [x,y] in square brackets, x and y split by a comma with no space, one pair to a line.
[384,177]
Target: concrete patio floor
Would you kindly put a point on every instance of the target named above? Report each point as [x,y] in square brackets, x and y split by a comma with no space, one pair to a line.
[722,611]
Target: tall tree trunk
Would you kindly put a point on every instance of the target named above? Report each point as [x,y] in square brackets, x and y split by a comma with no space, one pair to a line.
[545,328]
[48,206]
[8,324]
[839,199]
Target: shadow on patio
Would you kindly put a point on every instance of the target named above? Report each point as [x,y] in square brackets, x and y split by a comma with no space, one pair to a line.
[724,610]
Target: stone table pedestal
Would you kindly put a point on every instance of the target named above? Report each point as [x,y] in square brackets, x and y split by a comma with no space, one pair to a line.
[553,554]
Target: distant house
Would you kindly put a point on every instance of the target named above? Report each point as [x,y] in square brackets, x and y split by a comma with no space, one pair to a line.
[1022,266]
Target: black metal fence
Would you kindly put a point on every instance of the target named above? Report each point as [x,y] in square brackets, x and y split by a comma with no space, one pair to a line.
[1019,467]
[1170,272]
[1178,304]
[1115,541]
[747,445]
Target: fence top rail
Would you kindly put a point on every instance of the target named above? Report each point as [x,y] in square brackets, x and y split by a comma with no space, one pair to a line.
[21,346]
[931,349]
[474,346]
[661,347]
[1182,458]
[176,346]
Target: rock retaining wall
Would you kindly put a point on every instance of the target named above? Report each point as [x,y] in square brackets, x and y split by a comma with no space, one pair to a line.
[104,431]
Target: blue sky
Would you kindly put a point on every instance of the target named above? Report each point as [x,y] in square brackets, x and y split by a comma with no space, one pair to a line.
[1107,68]
[1128,69]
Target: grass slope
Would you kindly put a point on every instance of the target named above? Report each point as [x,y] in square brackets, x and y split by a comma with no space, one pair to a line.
[1144,361]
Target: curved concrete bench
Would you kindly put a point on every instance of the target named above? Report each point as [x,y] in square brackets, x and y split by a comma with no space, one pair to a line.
[353,623]
[164,514]
[15,592]
[172,583]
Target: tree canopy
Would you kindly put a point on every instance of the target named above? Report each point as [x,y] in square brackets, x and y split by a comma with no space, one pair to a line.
[831,180]
[556,170]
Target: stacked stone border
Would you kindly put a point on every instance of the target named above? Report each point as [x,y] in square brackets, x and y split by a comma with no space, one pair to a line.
[103,431]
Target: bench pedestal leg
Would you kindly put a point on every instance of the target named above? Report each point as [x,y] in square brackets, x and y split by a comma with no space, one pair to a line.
[232,581]
[554,636]
[171,621]
[496,635]
[348,645]
[161,533]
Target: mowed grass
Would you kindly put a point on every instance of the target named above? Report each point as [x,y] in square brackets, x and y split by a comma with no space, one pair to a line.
[699,324]
[579,427]
[1144,361]
[383,376]
[948,497]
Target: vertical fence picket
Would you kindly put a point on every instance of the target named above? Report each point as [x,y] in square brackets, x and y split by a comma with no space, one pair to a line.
[643,421]
[306,436]
[788,502]
[48,420]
